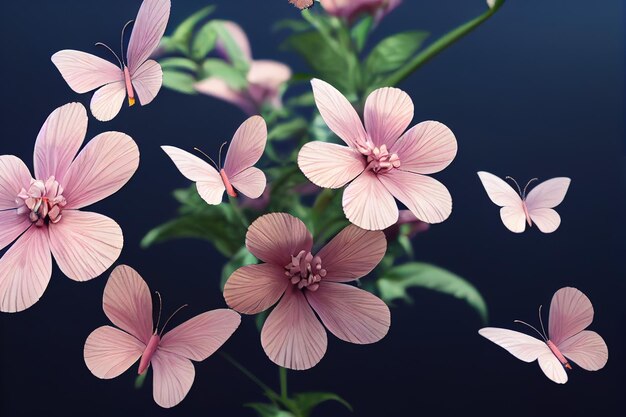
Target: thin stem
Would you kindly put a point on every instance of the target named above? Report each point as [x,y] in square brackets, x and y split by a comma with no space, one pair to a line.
[439,45]
[238,211]
[283,382]
[247,373]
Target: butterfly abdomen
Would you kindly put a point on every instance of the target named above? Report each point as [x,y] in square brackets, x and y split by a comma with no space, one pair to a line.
[229,187]
[129,87]
[558,354]
[148,352]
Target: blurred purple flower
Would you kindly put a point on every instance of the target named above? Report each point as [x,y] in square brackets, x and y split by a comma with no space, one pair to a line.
[265,78]
[351,9]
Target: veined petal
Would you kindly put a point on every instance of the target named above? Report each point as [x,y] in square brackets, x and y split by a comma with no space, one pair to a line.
[388,112]
[338,113]
[14,175]
[59,140]
[350,313]
[368,204]
[352,254]
[292,336]
[103,167]
[426,197]
[255,288]
[330,165]
[11,226]
[426,148]
[275,237]
[25,271]
[85,244]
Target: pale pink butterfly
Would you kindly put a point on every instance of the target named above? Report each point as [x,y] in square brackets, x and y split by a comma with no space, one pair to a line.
[86,72]
[238,173]
[127,302]
[536,206]
[567,340]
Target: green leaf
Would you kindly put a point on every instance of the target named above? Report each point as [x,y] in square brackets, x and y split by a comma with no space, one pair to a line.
[319,130]
[214,67]
[306,402]
[393,52]
[235,54]
[139,381]
[288,130]
[303,100]
[268,410]
[183,32]
[394,284]
[242,258]
[360,32]
[179,81]
[178,64]
[292,24]
[204,41]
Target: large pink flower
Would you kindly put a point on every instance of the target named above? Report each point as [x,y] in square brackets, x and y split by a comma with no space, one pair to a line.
[265,78]
[351,9]
[380,162]
[305,284]
[44,211]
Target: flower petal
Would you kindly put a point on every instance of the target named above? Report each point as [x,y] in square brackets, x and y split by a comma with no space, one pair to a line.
[388,112]
[352,254]
[368,204]
[25,271]
[275,237]
[330,165]
[219,89]
[11,226]
[338,113]
[85,244]
[426,148]
[255,288]
[107,163]
[268,74]
[350,313]
[292,336]
[14,176]
[426,197]
[59,140]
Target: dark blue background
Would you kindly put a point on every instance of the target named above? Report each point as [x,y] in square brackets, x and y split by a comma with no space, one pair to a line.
[537,91]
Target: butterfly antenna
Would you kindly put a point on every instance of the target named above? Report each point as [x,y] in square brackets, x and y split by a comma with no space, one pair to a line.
[160,309]
[210,159]
[513,179]
[219,159]
[114,54]
[168,320]
[122,38]
[543,329]
[532,327]
[533,179]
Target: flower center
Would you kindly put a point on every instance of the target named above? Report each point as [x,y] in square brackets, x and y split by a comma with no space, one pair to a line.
[379,159]
[305,271]
[43,201]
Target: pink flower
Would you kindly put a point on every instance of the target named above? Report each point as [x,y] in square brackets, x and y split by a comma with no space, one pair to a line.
[265,78]
[351,9]
[42,213]
[305,284]
[380,162]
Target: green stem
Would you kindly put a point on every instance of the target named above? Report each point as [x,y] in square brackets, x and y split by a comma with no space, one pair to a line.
[242,217]
[439,45]
[283,382]
[247,373]
[308,16]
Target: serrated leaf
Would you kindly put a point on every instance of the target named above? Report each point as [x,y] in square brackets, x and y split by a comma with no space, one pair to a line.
[204,41]
[183,33]
[395,282]
[179,81]
[393,52]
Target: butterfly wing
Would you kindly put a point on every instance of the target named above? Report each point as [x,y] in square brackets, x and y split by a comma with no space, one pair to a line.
[109,352]
[503,195]
[107,102]
[552,367]
[128,304]
[542,199]
[147,32]
[570,313]
[84,72]
[147,81]
[587,349]
[195,339]
[245,150]
[208,181]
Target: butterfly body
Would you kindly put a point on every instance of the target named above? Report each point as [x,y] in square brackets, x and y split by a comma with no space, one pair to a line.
[558,354]
[148,353]
[229,187]
[129,87]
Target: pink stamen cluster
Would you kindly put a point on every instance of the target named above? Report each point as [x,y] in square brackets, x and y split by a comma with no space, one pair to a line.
[43,201]
[305,271]
[378,158]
